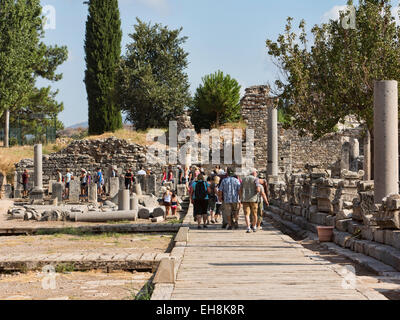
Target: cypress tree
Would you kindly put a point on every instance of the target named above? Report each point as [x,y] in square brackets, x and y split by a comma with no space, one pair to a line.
[103,51]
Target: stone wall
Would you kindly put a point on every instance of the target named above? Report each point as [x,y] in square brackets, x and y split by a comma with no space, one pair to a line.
[255,114]
[295,151]
[89,155]
[314,198]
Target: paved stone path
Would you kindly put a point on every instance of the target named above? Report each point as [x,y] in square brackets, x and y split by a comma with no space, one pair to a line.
[267,265]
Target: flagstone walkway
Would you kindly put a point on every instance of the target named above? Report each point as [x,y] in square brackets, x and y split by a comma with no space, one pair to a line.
[267,265]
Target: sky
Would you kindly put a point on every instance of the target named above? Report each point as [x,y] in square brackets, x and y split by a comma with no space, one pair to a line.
[226,35]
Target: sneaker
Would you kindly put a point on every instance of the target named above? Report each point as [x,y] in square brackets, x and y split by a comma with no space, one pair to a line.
[205,226]
[254,229]
[248,230]
[230,228]
[236,225]
[212,221]
[199,227]
[224,226]
[260,228]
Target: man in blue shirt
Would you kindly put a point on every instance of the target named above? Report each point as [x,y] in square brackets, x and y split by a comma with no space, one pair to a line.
[229,192]
[99,181]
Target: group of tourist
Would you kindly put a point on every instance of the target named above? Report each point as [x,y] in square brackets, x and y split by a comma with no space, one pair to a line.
[224,194]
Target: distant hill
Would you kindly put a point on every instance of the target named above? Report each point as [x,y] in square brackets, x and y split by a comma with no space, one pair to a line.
[83,125]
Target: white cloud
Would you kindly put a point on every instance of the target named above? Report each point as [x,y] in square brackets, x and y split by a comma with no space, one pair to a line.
[333,14]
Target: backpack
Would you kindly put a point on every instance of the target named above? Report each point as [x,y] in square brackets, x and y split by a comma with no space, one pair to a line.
[200,191]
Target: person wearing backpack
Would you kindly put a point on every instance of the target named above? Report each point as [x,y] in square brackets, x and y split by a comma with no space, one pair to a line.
[199,197]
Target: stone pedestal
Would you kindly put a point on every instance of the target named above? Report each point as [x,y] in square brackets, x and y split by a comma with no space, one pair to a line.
[92,193]
[57,193]
[74,191]
[114,187]
[7,191]
[386,147]
[123,200]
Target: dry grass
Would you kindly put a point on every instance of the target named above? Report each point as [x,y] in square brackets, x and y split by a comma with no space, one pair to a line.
[9,157]
[233,125]
[138,137]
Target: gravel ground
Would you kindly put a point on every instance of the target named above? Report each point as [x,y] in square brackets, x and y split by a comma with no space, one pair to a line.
[72,286]
[102,243]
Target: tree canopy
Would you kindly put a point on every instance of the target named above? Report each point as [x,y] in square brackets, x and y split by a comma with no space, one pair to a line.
[153,85]
[217,100]
[332,78]
[103,51]
[23,59]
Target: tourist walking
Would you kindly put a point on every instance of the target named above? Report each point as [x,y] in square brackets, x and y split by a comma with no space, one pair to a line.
[99,181]
[174,203]
[25,181]
[200,190]
[128,179]
[229,190]
[170,176]
[213,198]
[114,172]
[68,178]
[261,200]
[167,201]
[83,180]
[249,190]
[59,176]
[164,176]
[141,172]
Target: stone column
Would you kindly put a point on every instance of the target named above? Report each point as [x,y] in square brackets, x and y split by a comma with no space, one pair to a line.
[367,156]
[92,193]
[272,142]
[37,192]
[386,147]
[134,203]
[38,166]
[123,200]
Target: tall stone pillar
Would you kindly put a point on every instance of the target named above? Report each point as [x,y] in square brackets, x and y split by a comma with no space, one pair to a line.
[367,156]
[272,167]
[37,192]
[386,147]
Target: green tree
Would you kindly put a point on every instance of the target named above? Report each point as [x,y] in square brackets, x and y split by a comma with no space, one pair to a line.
[334,77]
[24,58]
[103,51]
[217,100]
[153,85]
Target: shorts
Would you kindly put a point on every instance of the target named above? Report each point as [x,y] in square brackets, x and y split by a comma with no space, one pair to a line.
[200,207]
[231,209]
[127,185]
[167,204]
[67,185]
[260,211]
[250,208]
[25,186]
[218,208]
[83,185]
[212,205]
